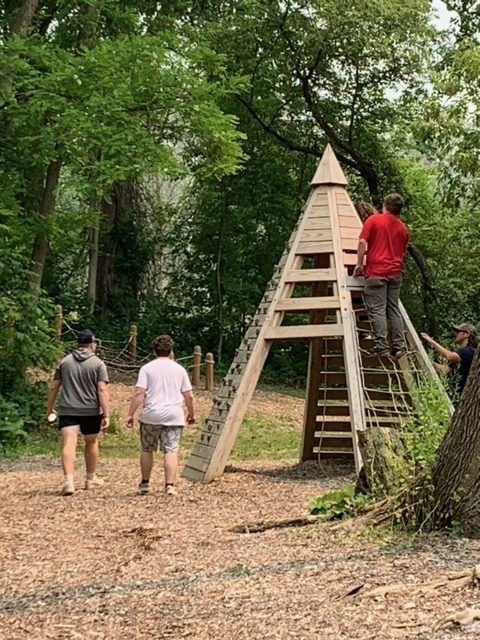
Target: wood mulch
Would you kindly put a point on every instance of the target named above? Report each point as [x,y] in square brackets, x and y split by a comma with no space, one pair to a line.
[109,564]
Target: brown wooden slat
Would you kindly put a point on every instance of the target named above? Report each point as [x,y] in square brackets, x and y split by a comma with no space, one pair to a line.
[317,223]
[308,304]
[316,235]
[311,275]
[312,248]
[303,332]
[350,222]
[349,244]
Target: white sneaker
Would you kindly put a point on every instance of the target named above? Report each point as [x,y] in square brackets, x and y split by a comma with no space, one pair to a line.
[94,482]
[170,490]
[68,488]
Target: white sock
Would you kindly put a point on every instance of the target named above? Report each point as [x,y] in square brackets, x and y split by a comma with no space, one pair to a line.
[68,478]
[90,476]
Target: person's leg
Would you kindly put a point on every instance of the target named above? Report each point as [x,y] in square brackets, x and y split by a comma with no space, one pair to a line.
[170,443]
[149,437]
[90,428]
[69,447]
[394,315]
[375,294]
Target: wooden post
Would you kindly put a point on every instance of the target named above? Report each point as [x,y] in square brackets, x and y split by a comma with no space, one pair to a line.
[209,362]
[132,345]
[197,361]
[58,322]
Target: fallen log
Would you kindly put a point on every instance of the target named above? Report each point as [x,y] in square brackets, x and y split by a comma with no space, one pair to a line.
[266,525]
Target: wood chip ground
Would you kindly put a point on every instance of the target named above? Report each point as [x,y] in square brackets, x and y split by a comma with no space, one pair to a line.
[109,564]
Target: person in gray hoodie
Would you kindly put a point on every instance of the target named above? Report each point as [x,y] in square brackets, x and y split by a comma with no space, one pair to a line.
[83,407]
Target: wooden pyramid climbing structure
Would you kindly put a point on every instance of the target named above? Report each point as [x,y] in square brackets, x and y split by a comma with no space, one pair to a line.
[348,391]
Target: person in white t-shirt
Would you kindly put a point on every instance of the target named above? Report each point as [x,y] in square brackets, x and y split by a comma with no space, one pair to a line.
[162,387]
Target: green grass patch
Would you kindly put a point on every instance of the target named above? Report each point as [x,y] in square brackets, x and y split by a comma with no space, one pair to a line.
[260,438]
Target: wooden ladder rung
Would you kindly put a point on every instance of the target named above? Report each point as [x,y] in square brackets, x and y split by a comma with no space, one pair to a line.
[308,304]
[304,332]
[333,450]
[311,275]
[333,434]
[333,418]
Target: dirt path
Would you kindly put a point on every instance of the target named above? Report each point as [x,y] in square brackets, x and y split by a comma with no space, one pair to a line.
[113,565]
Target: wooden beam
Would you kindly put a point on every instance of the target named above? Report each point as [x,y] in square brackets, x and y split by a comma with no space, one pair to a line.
[312,248]
[308,304]
[304,332]
[311,275]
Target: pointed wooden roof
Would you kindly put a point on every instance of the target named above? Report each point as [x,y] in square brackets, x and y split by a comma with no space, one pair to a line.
[329,171]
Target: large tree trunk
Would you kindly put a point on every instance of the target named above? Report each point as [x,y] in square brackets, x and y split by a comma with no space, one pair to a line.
[92,267]
[24,17]
[40,243]
[456,475]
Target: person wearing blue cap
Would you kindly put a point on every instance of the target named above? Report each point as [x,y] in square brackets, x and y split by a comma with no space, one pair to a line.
[83,408]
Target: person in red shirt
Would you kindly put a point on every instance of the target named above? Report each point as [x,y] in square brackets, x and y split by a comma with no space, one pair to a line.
[384,238]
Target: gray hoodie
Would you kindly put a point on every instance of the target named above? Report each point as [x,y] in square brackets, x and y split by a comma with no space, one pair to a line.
[80,372]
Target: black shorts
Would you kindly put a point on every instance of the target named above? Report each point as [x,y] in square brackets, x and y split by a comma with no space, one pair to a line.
[89,425]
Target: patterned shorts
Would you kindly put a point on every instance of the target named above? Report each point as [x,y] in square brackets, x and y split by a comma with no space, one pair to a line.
[153,435]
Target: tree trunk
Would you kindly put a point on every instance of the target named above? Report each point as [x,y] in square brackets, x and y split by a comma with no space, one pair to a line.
[24,17]
[218,274]
[40,243]
[456,474]
[92,267]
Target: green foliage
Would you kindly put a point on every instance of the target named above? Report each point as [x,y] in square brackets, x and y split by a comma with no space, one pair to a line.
[338,504]
[426,428]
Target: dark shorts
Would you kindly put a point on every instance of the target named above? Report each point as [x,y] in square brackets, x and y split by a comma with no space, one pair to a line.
[89,425]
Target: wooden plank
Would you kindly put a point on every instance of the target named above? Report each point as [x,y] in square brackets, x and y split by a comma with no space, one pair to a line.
[304,332]
[308,304]
[380,379]
[312,248]
[355,284]
[333,451]
[334,434]
[353,380]
[192,474]
[348,244]
[318,223]
[349,259]
[197,463]
[349,233]
[311,275]
[349,222]
[315,235]
[333,418]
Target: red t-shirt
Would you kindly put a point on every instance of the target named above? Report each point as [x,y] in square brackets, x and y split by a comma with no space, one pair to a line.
[387,240]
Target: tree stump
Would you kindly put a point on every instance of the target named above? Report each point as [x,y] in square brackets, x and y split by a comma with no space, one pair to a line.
[385,468]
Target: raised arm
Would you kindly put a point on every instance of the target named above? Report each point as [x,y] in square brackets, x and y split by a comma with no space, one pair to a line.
[450,356]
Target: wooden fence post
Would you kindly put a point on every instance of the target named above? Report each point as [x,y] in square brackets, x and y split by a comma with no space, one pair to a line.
[58,322]
[209,362]
[132,345]
[197,361]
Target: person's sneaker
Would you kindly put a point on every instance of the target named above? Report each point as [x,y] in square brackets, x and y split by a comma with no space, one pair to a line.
[94,482]
[378,351]
[68,489]
[398,353]
[143,488]
[170,490]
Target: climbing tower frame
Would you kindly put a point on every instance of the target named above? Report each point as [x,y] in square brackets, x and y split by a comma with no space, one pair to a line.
[347,391]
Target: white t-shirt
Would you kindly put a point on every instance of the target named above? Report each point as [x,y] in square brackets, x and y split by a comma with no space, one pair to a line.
[164,382]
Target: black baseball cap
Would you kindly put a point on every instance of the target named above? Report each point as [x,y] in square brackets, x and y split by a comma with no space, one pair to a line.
[86,337]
